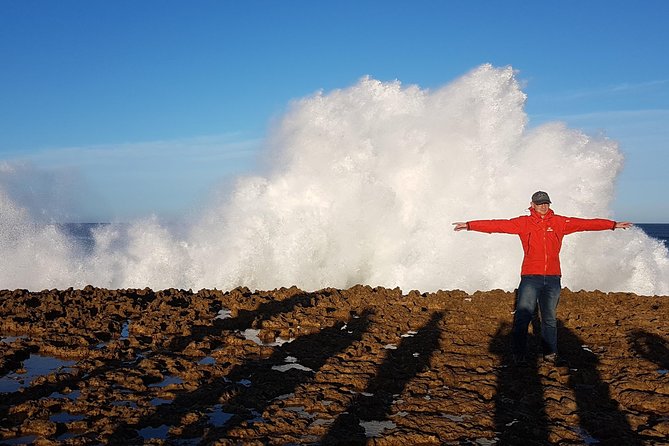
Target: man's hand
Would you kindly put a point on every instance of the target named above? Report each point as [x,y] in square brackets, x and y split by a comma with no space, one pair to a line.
[459,226]
[623,225]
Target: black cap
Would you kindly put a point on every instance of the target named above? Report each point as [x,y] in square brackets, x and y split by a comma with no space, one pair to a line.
[540,197]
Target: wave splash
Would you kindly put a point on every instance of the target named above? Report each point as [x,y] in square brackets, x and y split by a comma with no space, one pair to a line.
[364,185]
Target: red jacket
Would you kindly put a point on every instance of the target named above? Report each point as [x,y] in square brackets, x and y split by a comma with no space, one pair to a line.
[541,237]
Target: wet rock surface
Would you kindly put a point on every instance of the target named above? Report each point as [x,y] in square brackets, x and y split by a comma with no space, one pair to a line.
[358,366]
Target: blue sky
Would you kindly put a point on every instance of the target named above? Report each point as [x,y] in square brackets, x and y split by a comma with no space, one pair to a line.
[139,107]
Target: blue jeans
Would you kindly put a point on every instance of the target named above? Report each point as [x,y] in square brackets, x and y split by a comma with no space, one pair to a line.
[533,290]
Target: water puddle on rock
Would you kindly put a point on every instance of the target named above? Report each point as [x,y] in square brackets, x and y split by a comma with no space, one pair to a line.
[217,417]
[251,334]
[73,395]
[29,439]
[257,417]
[160,401]
[224,314]
[300,411]
[125,330]
[34,366]
[64,417]
[125,403]
[291,363]
[207,360]
[159,432]
[585,436]
[457,418]
[10,339]
[168,380]
[374,429]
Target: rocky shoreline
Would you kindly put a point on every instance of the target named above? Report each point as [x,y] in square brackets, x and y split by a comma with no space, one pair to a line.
[357,366]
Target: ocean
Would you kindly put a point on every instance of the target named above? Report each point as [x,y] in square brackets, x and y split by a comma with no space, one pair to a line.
[659,231]
[82,233]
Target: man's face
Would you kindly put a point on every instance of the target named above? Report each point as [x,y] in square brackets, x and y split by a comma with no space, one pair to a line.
[541,209]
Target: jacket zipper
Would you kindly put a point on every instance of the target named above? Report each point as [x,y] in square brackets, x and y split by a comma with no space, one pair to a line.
[545,253]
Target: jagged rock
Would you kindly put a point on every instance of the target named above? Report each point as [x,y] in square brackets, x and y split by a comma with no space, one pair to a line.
[432,368]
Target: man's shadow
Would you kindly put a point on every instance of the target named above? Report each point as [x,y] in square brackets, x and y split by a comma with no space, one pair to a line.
[599,414]
[251,386]
[399,367]
[520,410]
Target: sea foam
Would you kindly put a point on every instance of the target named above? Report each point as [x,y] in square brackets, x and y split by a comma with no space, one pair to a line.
[363,187]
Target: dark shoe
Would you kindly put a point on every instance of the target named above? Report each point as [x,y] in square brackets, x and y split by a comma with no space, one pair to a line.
[555,359]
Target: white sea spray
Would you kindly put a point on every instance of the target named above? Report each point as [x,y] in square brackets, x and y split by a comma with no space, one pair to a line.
[364,185]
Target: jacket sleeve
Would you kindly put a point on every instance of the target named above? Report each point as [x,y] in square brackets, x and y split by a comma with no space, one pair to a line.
[511,226]
[572,224]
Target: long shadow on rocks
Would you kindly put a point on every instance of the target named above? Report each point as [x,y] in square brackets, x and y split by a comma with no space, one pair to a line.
[250,387]
[267,383]
[244,319]
[599,415]
[411,357]
[520,412]
[652,347]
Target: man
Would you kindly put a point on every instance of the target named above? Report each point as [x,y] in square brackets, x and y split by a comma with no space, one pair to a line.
[541,235]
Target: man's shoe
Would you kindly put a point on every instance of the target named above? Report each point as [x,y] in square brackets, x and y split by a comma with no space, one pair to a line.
[555,359]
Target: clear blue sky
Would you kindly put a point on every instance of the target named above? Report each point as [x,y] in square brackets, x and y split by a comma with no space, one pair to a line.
[139,106]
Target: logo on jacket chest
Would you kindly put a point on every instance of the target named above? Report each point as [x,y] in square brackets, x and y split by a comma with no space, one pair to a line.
[549,229]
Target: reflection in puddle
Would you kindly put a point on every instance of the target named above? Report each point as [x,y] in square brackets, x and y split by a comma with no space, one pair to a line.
[300,411]
[207,360]
[73,395]
[154,432]
[585,436]
[65,436]
[35,365]
[64,417]
[169,379]
[257,417]
[223,314]
[10,339]
[217,417]
[125,403]
[291,363]
[125,330]
[160,401]
[456,418]
[30,439]
[251,334]
[376,428]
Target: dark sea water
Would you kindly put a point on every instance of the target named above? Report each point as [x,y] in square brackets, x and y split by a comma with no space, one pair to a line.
[82,233]
[657,230]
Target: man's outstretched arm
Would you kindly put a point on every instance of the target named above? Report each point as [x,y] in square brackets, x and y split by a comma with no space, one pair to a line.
[573,224]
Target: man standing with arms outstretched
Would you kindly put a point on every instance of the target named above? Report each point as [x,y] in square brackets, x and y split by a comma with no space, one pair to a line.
[541,235]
